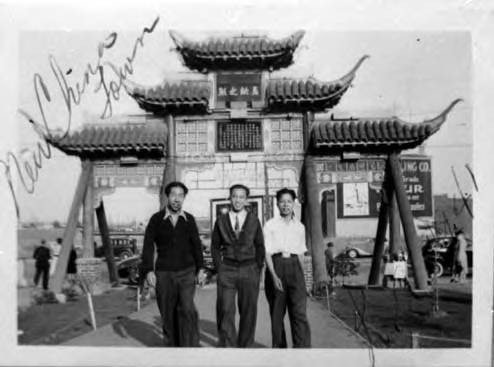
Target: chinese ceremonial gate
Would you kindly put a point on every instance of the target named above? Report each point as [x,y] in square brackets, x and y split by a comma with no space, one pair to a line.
[236,123]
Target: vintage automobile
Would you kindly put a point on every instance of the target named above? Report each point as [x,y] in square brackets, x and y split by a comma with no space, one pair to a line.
[359,248]
[123,247]
[129,268]
[439,252]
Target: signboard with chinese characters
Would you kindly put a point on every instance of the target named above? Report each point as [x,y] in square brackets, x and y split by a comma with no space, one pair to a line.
[142,175]
[238,136]
[238,87]
[370,173]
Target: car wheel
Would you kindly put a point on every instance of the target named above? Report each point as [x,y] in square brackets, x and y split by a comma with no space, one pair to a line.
[125,255]
[352,254]
[438,269]
[133,275]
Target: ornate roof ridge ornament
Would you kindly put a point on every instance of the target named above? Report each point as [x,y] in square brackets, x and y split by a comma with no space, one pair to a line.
[237,52]
[366,132]
[310,93]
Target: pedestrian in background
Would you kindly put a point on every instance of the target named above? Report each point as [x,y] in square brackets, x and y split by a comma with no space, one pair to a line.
[389,270]
[400,275]
[42,256]
[55,248]
[329,255]
[460,259]
[72,268]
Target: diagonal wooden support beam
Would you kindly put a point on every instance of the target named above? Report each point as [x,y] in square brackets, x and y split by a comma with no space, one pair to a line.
[107,245]
[411,238]
[69,233]
[170,172]
[394,226]
[320,273]
[382,225]
[88,218]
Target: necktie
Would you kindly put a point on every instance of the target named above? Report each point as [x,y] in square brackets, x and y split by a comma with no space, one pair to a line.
[237,226]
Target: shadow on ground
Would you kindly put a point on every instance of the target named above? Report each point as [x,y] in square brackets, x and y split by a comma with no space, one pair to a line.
[150,335]
[145,333]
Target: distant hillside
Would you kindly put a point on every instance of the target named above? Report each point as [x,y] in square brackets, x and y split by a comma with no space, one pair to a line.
[450,211]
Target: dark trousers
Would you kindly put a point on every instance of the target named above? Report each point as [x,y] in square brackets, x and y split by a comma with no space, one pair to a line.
[175,296]
[243,280]
[270,296]
[42,269]
[293,298]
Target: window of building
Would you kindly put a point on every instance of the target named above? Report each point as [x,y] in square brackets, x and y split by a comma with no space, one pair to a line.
[286,135]
[192,137]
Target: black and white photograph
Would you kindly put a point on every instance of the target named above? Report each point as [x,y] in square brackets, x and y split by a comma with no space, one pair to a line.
[254,183]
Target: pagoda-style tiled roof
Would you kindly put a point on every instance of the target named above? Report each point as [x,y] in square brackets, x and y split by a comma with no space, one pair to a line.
[372,133]
[101,141]
[188,97]
[294,95]
[238,53]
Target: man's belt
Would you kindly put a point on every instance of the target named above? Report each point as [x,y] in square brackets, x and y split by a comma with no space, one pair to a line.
[233,262]
[284,255]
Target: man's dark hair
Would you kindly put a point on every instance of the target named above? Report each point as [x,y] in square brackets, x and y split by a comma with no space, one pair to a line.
[284,191]
[330,244]
[173,184]
[239,186]
[59,240]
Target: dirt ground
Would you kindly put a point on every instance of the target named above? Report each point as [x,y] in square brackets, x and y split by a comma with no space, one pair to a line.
[392,316]
[55,323]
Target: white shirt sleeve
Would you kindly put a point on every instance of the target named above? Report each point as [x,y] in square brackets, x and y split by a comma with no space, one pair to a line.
[301,245]
[268,237]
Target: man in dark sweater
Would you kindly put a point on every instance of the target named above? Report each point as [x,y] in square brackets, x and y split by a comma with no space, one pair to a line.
[174,234]
[237,248]
[42,256]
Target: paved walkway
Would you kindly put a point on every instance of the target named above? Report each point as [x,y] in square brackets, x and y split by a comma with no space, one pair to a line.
[142,329]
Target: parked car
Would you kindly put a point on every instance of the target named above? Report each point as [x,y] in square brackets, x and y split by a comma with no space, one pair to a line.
[439,252]
[129,268]
[359,248]
[123,247]
[206,251]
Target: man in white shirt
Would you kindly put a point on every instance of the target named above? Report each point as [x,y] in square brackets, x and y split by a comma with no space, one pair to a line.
[284,240]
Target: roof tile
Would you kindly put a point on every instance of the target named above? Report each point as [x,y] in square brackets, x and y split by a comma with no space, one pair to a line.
[365,132]
[94,140]
[230,52]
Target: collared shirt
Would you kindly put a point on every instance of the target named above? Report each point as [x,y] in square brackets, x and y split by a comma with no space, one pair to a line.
[178,247]
[241,218]
[174,217]
[285,237]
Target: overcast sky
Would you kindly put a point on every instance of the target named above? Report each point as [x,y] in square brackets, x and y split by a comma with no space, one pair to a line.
[413,75]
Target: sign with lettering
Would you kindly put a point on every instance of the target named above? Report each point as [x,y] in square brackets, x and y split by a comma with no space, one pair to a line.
[141,175]
[418,185]
[238,87]
[239,136]
[89,272]
[359,183]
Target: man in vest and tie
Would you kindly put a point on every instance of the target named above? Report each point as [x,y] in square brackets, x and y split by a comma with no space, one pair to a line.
[238,253]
